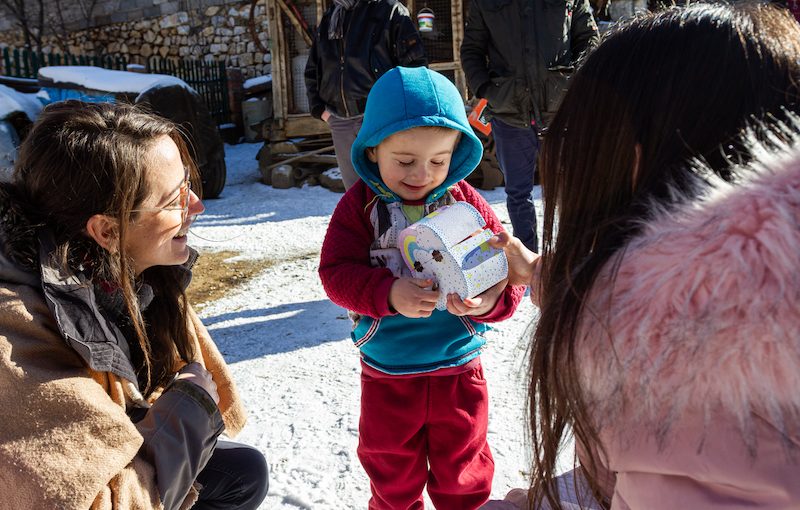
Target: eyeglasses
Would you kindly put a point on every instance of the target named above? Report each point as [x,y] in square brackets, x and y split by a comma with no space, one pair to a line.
[181,203]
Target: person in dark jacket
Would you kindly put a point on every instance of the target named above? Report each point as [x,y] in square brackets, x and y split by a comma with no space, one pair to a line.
[114,392]
[517,54]
[356,42]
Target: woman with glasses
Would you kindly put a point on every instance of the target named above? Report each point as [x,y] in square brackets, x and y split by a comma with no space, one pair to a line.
[113,393]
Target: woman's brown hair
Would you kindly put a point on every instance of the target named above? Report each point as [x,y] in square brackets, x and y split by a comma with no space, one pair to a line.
[659,92]
[82,159]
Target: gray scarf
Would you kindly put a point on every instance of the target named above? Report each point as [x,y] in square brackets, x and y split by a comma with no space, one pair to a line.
[337,17]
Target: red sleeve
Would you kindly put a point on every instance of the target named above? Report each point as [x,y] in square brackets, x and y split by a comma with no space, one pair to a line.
[512,294]
[344,266]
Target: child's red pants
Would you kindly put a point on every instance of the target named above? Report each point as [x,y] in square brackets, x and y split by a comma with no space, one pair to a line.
[426,428]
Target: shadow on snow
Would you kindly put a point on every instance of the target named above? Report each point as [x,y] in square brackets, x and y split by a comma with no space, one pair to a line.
[251,334]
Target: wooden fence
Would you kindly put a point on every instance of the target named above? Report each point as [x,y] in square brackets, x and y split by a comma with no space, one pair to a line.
[209,79]
[25,63]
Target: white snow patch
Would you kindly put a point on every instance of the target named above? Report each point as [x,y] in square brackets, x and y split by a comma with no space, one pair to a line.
[13,101]
[333,173]
[108,80]
[258,80]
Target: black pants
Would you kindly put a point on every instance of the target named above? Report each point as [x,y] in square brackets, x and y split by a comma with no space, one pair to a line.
[235,478]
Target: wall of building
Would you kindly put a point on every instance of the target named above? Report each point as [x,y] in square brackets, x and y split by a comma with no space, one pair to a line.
[106,12]
[139,29]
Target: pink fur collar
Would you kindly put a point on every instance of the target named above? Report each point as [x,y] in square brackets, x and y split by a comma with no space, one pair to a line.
[703,315]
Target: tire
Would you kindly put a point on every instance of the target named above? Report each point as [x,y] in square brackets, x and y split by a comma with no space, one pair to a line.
[183,106]
[213,175]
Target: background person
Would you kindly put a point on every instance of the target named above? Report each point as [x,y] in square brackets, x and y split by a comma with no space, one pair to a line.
[670,314]
[356,42]
[113,392]
[517,54]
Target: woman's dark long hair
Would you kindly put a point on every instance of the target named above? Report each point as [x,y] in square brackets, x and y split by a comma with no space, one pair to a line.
[657,93]
[82,159]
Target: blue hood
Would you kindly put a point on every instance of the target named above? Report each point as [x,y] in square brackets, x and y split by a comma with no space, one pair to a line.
[408,97]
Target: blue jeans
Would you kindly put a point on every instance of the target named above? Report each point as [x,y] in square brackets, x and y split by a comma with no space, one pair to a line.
[517,149]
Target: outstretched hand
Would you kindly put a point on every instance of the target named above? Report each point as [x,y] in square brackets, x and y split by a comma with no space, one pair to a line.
[523,264]
[413,298]
[479,305]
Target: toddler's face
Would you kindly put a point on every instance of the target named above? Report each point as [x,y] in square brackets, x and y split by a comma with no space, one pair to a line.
[412,163]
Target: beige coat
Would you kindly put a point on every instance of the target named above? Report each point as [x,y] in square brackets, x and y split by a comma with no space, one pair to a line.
[65,440]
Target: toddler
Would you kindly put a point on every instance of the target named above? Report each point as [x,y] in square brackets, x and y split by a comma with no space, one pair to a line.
[424,402]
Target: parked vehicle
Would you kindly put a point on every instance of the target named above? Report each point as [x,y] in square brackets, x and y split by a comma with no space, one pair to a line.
[166,95]
[17,113]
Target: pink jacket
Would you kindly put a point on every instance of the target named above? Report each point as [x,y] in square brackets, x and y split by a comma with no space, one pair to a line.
[690,359]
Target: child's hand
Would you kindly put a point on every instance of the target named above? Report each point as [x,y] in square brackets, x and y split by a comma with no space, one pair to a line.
[478,305]
[412,298]
[523,264]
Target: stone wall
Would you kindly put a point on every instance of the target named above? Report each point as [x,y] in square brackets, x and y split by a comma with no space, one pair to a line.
[106,12]
[197,31]
[201,29]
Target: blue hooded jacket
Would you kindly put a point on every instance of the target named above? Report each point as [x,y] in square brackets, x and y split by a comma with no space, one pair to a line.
[401,99]
[408,97]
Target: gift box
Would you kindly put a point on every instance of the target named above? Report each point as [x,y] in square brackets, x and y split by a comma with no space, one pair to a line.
[451,246]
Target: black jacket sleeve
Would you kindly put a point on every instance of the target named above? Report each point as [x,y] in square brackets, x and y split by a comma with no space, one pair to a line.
[583,31]
[474,50]
[315,102]
[180,432]
[408,48]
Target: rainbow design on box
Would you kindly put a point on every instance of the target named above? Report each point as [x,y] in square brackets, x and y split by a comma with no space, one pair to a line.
[451,246]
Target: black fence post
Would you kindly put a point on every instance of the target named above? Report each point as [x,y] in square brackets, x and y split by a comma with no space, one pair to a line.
[25,65]
[7,61]
[17,68]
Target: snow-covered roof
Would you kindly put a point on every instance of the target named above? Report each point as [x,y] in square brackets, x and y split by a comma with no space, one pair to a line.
[97,78]
[12,101]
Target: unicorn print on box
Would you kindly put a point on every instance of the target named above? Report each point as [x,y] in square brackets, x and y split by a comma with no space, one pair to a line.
[451,246]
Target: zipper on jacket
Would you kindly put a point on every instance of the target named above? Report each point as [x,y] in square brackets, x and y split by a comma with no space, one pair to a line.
[342,42]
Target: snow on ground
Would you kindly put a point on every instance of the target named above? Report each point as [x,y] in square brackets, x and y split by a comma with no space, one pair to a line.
[290,351]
